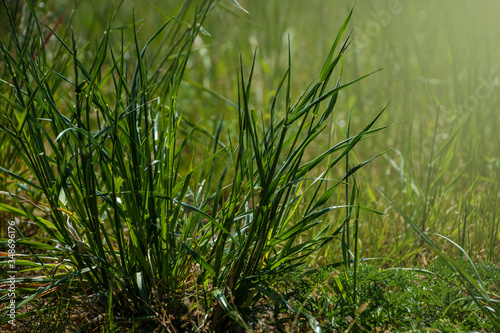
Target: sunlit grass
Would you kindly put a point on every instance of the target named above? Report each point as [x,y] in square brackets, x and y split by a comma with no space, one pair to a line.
[203,170]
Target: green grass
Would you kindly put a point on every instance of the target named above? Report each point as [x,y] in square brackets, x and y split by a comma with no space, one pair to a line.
[171,183]
[394,299]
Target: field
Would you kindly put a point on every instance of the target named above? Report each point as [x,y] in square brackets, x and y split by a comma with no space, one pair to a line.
[258,166]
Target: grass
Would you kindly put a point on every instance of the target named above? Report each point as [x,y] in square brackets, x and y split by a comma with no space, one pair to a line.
[132,213]
[395,300]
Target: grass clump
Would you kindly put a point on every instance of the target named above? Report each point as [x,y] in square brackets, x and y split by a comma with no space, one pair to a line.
[154,233]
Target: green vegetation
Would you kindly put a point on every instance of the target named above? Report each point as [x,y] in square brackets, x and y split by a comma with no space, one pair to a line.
[154,178]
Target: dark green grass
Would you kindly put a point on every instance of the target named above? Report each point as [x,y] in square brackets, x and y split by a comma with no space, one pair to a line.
[130,209]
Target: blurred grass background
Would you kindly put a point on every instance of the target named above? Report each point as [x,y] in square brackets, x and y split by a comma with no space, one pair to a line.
[440,71]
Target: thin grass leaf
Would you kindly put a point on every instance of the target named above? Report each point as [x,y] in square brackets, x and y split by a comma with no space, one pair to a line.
[222,301]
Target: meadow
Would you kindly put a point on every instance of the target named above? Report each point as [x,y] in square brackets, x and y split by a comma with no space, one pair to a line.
[223,166]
